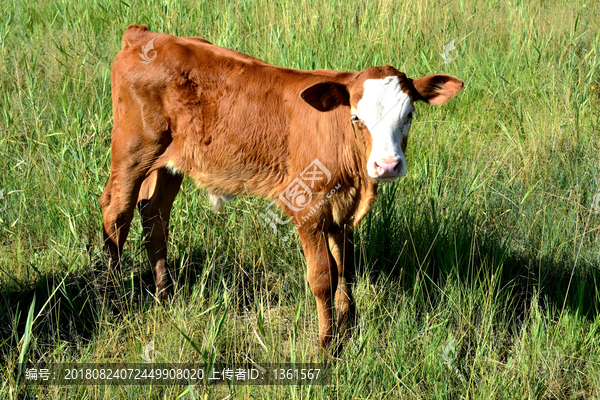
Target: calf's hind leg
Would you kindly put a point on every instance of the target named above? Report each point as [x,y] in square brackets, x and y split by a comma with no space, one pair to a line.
[133,156]
[155,201]
[118,204]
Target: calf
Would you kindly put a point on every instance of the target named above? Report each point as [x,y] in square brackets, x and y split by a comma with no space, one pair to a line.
[240,126]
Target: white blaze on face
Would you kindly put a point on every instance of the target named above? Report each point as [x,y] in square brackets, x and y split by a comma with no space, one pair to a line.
[384,108]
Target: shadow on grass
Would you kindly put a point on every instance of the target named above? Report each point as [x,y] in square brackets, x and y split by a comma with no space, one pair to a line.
[68,307]
[426,248]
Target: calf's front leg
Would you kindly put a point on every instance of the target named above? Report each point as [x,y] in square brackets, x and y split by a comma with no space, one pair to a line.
[341,245]
[322,278]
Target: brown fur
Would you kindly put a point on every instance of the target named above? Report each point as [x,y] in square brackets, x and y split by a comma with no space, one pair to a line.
[239,126]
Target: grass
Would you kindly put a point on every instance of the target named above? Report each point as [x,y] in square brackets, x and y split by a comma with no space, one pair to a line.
[477,273]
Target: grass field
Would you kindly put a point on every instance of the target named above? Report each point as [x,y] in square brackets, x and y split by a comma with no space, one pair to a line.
[478,273]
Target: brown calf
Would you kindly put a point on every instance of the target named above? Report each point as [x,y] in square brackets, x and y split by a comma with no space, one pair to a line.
[240,126]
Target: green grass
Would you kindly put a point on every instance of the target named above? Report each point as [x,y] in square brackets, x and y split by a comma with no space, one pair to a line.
[489,242]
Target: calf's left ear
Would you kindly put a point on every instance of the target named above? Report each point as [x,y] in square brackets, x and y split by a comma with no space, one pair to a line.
[438,89]
[326,96]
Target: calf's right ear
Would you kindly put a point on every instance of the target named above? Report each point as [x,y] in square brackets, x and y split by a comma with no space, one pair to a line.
[439,88]
[326,96]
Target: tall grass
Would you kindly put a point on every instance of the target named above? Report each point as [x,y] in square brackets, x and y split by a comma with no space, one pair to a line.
[477,273]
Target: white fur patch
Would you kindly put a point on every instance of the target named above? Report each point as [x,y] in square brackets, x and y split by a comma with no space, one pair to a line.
[384,108]
[172,168]
[218,201]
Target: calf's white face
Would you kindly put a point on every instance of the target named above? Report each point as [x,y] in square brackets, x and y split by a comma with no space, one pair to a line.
[380,106]
[386,111]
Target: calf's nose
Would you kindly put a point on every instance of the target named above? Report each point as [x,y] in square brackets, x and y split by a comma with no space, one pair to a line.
[388,169]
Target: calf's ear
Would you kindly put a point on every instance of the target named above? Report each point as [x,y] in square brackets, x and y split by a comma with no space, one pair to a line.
[326,96]
[438,89]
